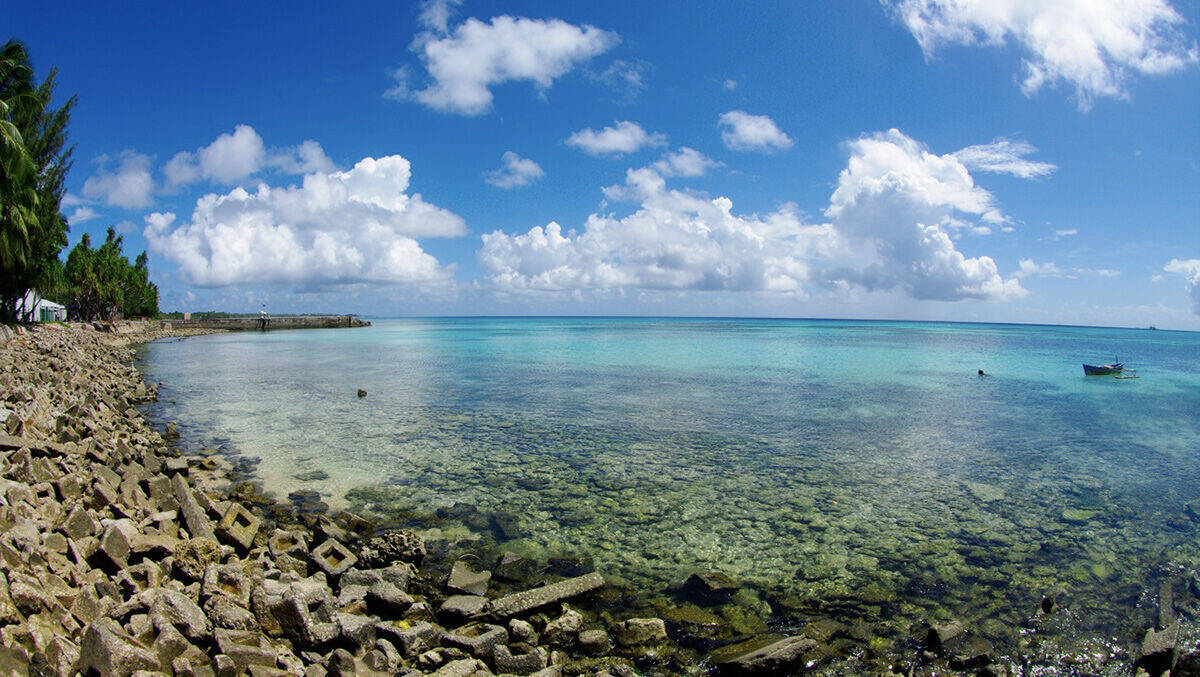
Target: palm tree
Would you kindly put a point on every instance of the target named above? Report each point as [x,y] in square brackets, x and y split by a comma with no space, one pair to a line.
[18,173]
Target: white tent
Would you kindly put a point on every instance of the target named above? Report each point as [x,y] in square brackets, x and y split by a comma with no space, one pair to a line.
[34,308]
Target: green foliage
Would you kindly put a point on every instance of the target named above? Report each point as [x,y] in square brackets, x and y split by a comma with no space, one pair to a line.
[102,284]
[34,160]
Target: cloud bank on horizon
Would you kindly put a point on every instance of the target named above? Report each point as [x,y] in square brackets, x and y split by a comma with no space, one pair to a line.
[891,224]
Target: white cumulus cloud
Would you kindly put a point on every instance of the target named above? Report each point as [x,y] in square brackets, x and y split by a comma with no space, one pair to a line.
[742,131]
[1004,156]
[233,157]
[81,214]
[465,62]
[673,241]
[621,138]
[129,186]
[899,202]
[515,171]
[1095,46]
[685,162]
[355,226]
[1190,270]
[890,226]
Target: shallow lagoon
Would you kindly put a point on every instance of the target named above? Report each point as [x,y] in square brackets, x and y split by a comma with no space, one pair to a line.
[852,469]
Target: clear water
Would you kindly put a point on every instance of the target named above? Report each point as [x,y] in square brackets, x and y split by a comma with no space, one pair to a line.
[859,469]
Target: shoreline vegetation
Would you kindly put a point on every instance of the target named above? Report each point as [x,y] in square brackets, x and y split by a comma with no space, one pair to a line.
[124,557]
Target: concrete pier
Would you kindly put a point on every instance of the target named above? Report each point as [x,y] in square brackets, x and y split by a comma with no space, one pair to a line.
[273,323]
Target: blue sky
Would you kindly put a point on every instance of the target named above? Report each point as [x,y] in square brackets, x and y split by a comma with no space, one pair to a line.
[1000,160]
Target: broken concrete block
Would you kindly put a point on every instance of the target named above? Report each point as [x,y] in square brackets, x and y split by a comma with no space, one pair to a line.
[478,639]
[197,522]
[466,580]
[462,606]
[115,545]
[238,526]
[411,641]
[171,607]
[107,650]
[386,600]
[528,600]
[506,662]
[288,542]
[244,648]
[332,557]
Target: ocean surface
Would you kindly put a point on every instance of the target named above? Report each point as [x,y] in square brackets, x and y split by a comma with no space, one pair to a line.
[857,469]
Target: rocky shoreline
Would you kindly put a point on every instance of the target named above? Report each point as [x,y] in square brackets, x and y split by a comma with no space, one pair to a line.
[123,557]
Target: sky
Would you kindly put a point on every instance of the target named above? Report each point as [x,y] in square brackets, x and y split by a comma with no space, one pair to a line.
[968,160]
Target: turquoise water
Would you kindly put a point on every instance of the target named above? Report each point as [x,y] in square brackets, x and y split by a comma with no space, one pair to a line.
[853,469]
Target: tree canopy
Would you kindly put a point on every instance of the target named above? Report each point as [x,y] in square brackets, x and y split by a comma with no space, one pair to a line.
[34,161]
[103,284]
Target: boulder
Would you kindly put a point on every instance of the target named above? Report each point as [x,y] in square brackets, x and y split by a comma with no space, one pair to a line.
[640,632]
[710,587]
[397,545]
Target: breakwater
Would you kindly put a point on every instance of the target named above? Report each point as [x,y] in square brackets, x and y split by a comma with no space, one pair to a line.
[270,324]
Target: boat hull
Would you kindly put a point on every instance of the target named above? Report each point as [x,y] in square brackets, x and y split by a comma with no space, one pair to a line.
[1102,370]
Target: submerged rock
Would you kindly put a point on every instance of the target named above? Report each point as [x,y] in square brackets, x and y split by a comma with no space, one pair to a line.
[772,659]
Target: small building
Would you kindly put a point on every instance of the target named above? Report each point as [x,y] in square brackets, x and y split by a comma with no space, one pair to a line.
[187,316]
[34,308]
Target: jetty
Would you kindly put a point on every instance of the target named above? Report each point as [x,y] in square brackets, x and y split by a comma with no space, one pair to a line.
[251,323]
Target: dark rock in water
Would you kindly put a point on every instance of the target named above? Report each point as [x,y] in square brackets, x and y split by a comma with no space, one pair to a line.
[312,476]
[1158,650]
[710,587]
[974,654]
[570,565]
[467,514]
[823,630]
[506,526]
[1166,604]
[397,545]
[513,567]
[772,659]
[362,393]
[308,502]
[1187,665]
[943,637]
[1192,509]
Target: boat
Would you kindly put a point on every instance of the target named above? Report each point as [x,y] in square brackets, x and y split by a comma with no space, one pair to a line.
[1104,369]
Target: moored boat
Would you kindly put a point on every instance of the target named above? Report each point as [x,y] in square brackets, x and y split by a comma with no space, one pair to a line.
[1103,370]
